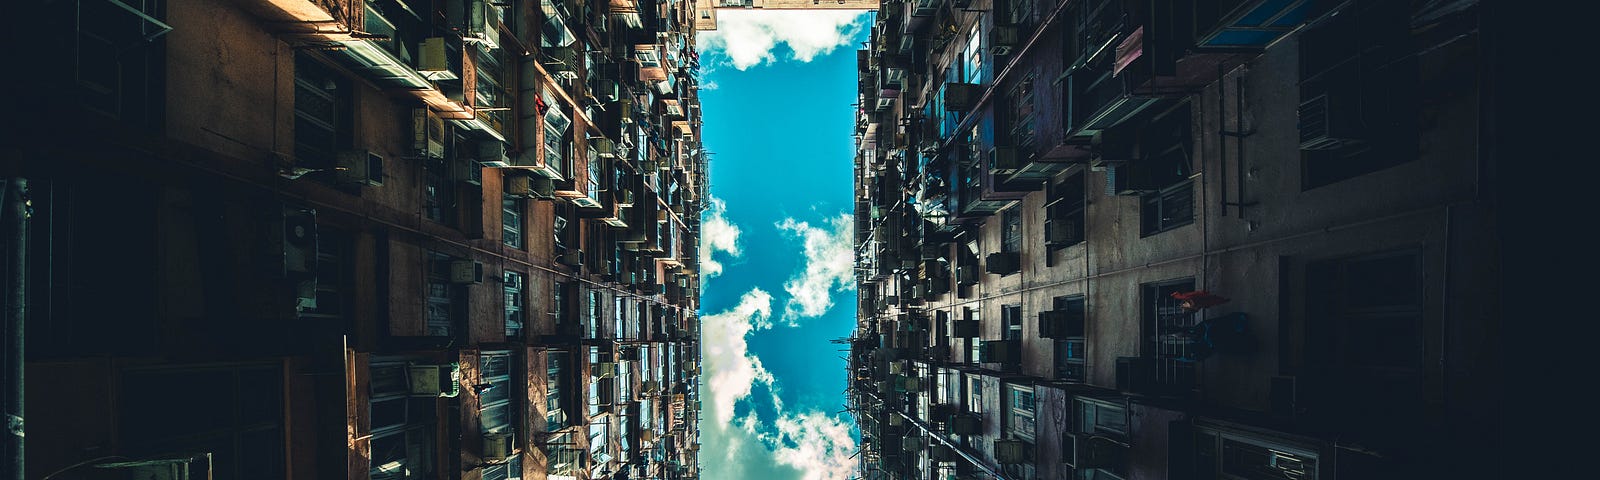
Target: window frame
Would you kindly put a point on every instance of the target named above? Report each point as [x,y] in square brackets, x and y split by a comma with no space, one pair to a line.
[515,298]
[1021,420]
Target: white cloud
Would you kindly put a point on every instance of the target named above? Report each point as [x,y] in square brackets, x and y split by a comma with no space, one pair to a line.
[748,37]
[829,264]
[731,370]
[708,86]
[716,234]
[816,444]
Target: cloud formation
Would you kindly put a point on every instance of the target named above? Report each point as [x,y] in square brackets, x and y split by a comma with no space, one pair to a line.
[815,444]
[731,370]
[829,264]
[716,234]
[749,37]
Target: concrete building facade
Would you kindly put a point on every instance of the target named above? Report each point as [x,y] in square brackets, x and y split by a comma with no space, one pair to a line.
[1041,186]
[361,239]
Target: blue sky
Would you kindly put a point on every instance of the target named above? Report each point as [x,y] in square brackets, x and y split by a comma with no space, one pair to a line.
[777,94]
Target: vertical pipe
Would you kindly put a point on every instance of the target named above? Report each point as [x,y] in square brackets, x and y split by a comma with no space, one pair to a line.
[1222,139]
[1238,127]
[15,213]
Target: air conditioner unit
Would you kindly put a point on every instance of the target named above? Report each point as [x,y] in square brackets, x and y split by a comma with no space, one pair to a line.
[493,152]
[542,187]
[910,383]
[427,132]
[960,96]
[572,259]
[919,291]
[1112,146]
[1063,232]
[497,446]
[1135,374]
[469,171]
[606,90]
[966,424]
[479,26]
[360,167]
[466,272]
[1003,38]
[911,444]
[1330,121]
[885,387]
[967,274]
[604,146]
[1082,450]
[942,453]
[294,240]
[432,62]
[518,184]
[434,380]
[1060,324]
[997,351]
[1002,263]
[1130,178]
[603,369]
[1004,161]
[1011,452]
[649,386]
[964,329]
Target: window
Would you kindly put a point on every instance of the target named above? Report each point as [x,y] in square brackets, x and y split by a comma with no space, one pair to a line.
[555,133]
[442,296]
[558,305]
[1064,212]
[1164,316]
[234,412]
[438,187]
[597,167]
[974,394]
[492,99]
[1020,411]
[1069,357]
[1022,106]
[1170,208]
[1021,12]
[495,412]
[974,346]
[1234,456]
[1100,417]
[1164,167]
[511,470]
[1011,231]
[322,111]
[516,290]
[1364,330]
[1358,94]
[561,230]
[596,313]
[1011,316]
[972,69]
[402,426]
[333,247]
[511,224]
[117,60]
[555,415]
[564,456]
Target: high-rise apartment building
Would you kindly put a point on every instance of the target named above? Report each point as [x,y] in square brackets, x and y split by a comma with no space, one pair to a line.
[1115,239]
[386,239]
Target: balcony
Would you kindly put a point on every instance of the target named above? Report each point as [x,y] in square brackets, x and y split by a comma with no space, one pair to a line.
[1247,24]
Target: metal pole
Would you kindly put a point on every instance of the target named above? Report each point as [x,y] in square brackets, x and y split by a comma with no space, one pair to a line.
[13,196]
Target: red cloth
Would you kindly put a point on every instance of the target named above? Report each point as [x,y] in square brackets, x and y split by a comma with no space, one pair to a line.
[1199,299]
